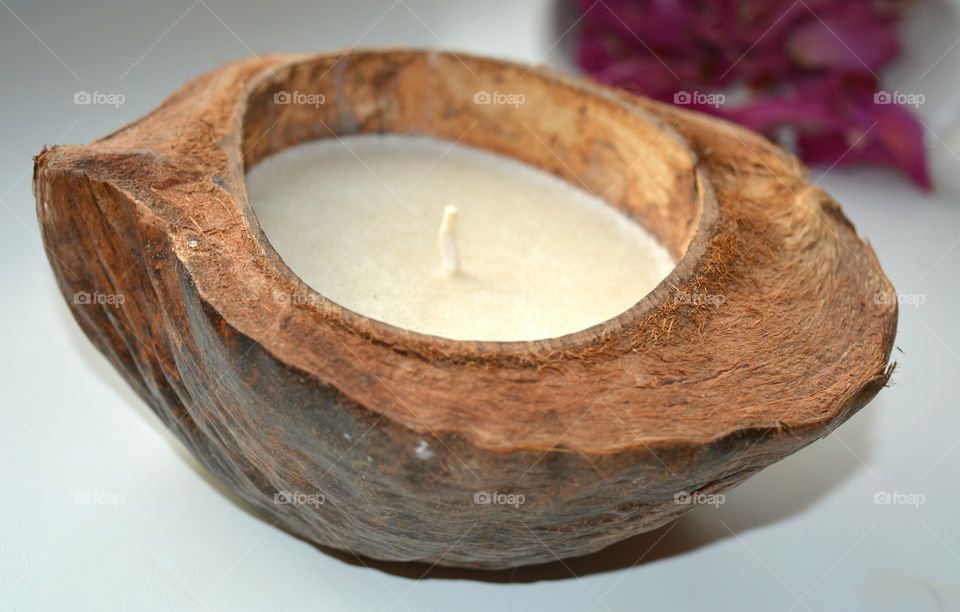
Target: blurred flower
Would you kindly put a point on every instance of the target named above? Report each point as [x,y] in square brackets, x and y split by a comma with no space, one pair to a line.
[809,66]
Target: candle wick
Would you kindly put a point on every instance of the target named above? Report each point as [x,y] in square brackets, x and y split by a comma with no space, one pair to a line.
[447,240]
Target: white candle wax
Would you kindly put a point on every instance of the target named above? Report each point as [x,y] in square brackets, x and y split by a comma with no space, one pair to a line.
[449,240]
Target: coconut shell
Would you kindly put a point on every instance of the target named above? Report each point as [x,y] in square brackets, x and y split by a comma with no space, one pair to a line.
[774,328]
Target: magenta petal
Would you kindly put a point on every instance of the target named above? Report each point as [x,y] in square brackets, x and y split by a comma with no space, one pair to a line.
[649,75]
[596,51]
[886,135]
[897,141]
[828,149]
[843,44]
[812,67]
[767,114]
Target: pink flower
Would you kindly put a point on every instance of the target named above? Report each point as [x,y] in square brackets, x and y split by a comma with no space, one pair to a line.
[810,67]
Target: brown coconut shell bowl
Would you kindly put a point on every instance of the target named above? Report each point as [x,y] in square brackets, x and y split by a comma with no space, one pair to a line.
[774,328]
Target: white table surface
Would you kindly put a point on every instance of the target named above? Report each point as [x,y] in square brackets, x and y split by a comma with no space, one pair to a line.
[803,534]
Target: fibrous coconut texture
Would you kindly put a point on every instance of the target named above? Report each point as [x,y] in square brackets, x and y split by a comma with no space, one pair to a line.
[774,328]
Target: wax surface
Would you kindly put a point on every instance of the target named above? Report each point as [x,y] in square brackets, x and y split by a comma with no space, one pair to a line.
[358,221]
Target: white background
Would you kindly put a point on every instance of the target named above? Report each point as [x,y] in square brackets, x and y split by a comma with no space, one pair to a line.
[804,533]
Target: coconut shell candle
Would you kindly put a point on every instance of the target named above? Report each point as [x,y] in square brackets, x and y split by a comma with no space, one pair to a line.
[494,447]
